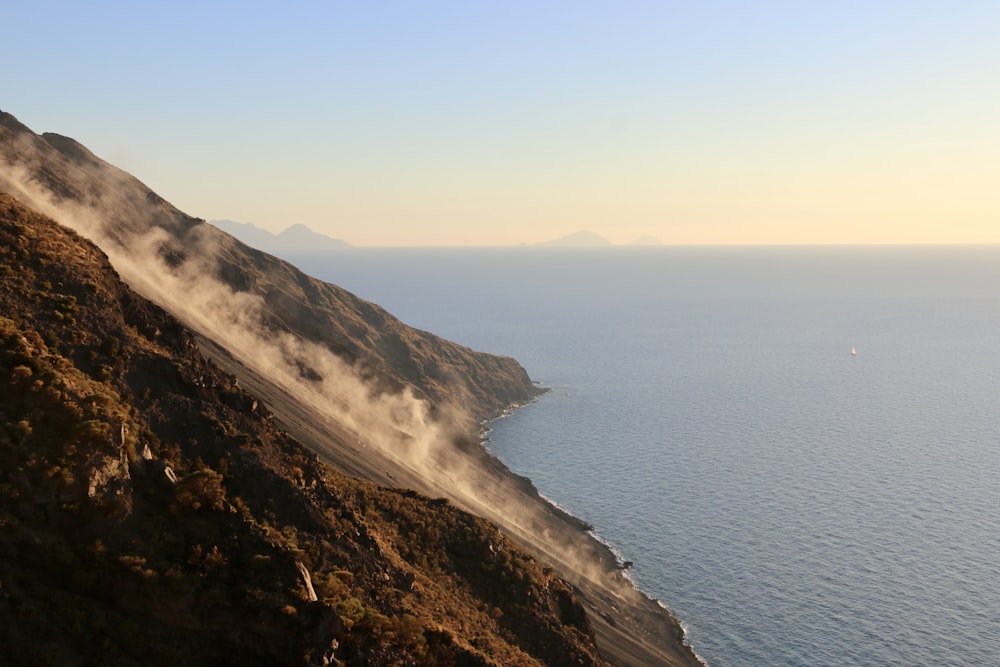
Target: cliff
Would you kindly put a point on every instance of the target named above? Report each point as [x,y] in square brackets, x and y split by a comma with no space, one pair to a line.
[57,175]
[369,395]
[152,512]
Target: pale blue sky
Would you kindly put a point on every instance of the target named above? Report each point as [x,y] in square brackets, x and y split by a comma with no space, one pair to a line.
[465,123]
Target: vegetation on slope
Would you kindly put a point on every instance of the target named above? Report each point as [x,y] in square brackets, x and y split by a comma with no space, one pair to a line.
[151,512]
[386,352]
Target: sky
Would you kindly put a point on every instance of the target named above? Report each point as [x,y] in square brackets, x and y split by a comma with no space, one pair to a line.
[470,122]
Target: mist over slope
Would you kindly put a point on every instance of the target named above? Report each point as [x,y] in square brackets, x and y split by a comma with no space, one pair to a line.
[149,241]
[367,393]
[152,512]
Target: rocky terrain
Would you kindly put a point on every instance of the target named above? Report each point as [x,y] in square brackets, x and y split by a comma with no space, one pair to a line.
[328,374]
[58,176]
[153,512]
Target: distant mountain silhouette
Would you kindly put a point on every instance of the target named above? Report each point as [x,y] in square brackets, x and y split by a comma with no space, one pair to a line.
[581,239]
[297,238]
[252,235]
[647,240]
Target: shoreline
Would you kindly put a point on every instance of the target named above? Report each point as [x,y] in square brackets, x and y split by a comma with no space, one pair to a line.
[611,558]
[630,628]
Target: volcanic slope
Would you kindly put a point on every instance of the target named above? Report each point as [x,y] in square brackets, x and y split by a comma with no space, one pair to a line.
[152,512]
[367,393]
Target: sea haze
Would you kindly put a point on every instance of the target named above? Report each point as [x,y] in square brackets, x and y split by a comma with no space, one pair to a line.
[794,504]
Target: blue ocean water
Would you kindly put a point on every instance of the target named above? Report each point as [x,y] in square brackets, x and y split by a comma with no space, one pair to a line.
[792,503]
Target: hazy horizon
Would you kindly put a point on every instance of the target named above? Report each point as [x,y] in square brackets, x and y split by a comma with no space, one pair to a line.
[543,244]
[446,124]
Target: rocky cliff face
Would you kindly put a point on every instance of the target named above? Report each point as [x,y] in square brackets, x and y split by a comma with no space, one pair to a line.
[58,176]
[152,512]
[369,395]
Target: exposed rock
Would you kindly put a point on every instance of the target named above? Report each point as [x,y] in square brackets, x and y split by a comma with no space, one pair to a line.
[198,421]
[210,568]
[306,581]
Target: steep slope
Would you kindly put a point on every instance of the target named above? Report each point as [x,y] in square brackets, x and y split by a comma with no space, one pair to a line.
[151,512]
[58,176]
[371,396]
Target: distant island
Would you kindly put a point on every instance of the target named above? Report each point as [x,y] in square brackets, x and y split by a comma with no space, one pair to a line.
[297,238]
[581,239]
[588,239]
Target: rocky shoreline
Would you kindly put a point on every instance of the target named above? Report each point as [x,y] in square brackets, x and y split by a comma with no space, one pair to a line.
[631,628]
[651,617]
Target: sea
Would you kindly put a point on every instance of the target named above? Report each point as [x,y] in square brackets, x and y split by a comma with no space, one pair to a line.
[797,448]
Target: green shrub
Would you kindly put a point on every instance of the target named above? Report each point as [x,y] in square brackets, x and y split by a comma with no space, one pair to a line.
[201,490]
[110,346]
[20,373]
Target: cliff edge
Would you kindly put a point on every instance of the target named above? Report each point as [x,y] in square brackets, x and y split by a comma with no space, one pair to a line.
[153,512]
[369,395]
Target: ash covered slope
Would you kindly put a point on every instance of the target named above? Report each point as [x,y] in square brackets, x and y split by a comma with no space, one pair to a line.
[373,397]
[151,512]
[57,175]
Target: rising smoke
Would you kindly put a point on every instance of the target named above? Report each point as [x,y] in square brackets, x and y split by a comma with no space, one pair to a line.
[397,424]
[400,426]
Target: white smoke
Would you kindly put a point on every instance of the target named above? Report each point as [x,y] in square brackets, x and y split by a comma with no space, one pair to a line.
[398,425]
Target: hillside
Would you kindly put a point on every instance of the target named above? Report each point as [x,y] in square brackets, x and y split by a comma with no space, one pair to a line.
[371,396]
[59,177]
[151,512]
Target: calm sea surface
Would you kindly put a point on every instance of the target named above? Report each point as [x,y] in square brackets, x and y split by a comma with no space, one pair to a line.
[792,503]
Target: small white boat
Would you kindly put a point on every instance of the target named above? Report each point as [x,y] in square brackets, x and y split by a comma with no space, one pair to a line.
[854,352]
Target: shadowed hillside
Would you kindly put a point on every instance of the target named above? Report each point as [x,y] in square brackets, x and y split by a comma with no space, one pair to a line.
[151,512]
[368,394]
[59,176]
